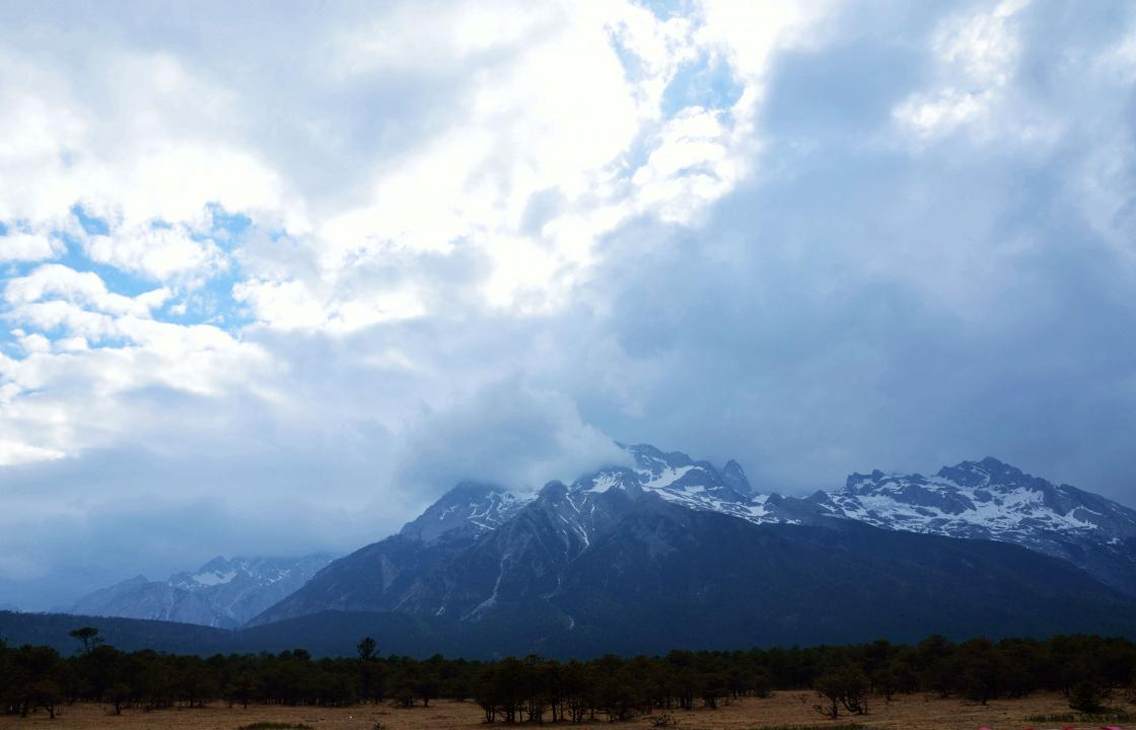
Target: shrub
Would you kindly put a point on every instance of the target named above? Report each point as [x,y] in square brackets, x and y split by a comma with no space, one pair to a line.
[1086,696]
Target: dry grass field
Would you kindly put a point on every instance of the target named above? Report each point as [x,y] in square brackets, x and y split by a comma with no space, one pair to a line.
[782,709]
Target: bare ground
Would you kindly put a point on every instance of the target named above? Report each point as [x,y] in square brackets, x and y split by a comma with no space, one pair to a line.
[914,712]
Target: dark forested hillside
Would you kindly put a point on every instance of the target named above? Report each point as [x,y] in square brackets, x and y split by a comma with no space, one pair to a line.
[51,629]
[332,633]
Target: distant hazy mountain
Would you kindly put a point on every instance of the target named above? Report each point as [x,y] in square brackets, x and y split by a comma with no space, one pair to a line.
[677,552]
[222,593]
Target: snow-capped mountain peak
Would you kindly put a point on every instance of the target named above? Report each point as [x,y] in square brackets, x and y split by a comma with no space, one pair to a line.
[675,477]
[467,510]
[985,498]
[987,472]
[217,571]
[992,500]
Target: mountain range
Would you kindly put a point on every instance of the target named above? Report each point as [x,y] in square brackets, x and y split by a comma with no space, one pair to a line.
[223,593]
[666,551]
[671,549]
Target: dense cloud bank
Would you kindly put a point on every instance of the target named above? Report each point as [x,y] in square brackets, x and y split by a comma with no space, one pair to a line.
[270,284]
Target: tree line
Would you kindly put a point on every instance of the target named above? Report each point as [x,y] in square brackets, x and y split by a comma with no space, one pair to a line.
[1089,670]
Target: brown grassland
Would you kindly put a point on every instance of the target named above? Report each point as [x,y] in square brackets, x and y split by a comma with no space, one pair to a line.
[912,712]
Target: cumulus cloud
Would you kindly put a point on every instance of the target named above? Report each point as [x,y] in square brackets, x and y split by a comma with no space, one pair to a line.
[540,430]
[28,247]
[159,253]
[318,265]
[61,283]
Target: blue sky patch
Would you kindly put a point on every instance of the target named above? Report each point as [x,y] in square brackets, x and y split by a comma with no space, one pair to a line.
[707,82]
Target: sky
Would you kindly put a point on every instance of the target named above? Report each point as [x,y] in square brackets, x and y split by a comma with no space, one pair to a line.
[275,275]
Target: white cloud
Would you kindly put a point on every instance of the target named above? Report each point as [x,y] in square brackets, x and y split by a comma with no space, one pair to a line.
[448,35]
[977,56]
[690,166]
[942,111]
[163,253]
[984,46]
[290,305]
[528,126]
[14,452]
[56,281]
[137,140]
[751,32]
[29,247]
[541,428]
[547,104]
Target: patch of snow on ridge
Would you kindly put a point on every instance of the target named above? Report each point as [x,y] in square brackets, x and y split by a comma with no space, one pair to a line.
[667,476]
[215,578]
[758,510]
[896,501]
[603,482]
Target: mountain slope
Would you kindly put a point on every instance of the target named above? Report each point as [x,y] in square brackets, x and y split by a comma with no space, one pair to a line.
[382,575]
[222,593]
[676,578]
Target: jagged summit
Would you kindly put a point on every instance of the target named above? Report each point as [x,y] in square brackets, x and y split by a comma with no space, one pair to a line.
[989,471]
[735,478]
[676,477]
[465,511]
[554,490]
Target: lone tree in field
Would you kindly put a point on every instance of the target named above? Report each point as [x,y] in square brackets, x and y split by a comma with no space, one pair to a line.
[89,635]
[847,687]
[370,670]
[366,648]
